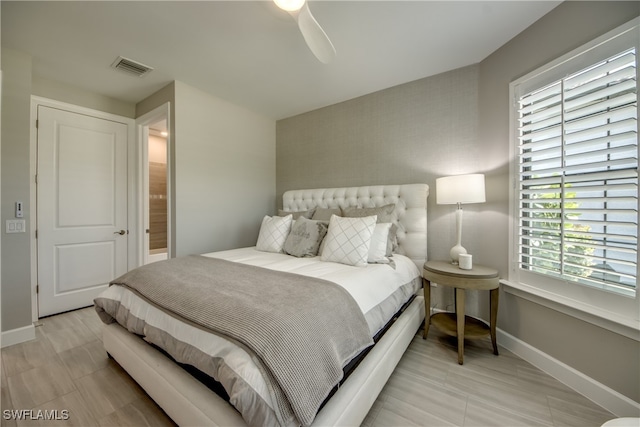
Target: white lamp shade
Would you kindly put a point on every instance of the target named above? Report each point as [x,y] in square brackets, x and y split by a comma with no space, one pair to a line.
[289,5]
[451,190]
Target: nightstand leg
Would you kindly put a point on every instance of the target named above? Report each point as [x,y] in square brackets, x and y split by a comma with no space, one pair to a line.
[460,300]
[426,285]
[494,318]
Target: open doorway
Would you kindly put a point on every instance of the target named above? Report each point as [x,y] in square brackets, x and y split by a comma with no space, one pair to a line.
[157,188]
[155,203]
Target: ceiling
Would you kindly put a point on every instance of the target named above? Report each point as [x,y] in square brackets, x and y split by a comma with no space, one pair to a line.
[251,53]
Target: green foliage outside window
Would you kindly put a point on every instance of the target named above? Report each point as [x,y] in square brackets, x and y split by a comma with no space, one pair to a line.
[546,243]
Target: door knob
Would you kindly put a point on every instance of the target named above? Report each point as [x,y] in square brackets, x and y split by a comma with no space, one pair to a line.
[121,232]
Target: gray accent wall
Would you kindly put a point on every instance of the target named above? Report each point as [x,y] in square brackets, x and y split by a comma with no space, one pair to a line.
[412,133]
[455,123]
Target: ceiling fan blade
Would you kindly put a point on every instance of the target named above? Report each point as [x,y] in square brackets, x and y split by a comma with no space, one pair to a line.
[315,36]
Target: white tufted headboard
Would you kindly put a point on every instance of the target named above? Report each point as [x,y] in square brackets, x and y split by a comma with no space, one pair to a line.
[410,201]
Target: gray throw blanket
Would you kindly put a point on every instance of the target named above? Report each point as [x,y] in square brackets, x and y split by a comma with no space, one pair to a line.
[303,330]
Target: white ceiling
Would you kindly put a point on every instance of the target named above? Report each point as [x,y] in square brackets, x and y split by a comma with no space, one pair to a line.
[251,53]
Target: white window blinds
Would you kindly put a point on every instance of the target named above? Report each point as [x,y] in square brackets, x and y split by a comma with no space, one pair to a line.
[578,176]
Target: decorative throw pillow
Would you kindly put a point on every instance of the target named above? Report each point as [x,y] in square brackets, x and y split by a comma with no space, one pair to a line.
[273,233]
[385,214]
[307,214]
[305,237]
[379,240]
[324,214]
[348,240]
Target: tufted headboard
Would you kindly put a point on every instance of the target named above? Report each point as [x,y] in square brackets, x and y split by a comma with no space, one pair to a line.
[410,201]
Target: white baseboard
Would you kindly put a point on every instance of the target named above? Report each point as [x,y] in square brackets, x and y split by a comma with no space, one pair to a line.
[17,336]
[599,393]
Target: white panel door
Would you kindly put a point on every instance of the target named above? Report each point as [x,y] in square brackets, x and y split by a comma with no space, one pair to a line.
[81,208]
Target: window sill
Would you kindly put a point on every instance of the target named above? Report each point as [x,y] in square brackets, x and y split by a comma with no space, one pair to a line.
[611,321]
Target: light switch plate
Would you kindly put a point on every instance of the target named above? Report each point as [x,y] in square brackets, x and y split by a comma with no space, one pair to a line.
[16,226]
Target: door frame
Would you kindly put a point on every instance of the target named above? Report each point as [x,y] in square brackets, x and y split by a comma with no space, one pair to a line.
[132,164]
[142,129]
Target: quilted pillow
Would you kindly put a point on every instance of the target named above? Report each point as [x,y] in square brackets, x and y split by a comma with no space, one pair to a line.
[348,240]
[273,233]
[305,237]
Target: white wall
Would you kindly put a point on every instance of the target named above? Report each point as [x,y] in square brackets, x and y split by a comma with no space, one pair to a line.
[603,355]
[16,248]
[18,85]
[67,93]
[224,172]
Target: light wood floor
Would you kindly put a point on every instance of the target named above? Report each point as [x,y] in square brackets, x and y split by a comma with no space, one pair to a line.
[65,367]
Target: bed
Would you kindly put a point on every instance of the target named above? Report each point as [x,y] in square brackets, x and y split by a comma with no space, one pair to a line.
[189,402]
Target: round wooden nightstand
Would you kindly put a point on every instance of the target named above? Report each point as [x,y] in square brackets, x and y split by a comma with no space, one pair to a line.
[457,324]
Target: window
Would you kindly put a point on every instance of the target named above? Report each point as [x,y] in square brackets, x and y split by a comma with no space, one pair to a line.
[575,170]
[578,181]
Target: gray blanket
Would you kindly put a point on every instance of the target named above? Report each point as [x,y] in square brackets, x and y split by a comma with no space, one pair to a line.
[303,330]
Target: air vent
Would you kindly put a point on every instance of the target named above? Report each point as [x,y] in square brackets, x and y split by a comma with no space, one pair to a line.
[131,67]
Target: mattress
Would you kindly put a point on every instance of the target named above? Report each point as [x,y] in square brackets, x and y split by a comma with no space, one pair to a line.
[378,289]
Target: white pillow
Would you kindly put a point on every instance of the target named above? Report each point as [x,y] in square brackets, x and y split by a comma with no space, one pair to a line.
[273,233]
[379,241]
[348,240]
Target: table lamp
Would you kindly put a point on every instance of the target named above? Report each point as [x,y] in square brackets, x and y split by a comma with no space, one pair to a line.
[459,190]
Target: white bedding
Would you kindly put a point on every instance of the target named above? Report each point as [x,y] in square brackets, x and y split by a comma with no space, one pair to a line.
[378,289]
[369,286]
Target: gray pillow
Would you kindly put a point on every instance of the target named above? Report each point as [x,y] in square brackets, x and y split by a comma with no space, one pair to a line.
[305,237]
[392,243]
[324,214]
[385,214]
[296,215]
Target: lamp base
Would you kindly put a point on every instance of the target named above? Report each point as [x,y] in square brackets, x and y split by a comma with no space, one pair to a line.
[455,252]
